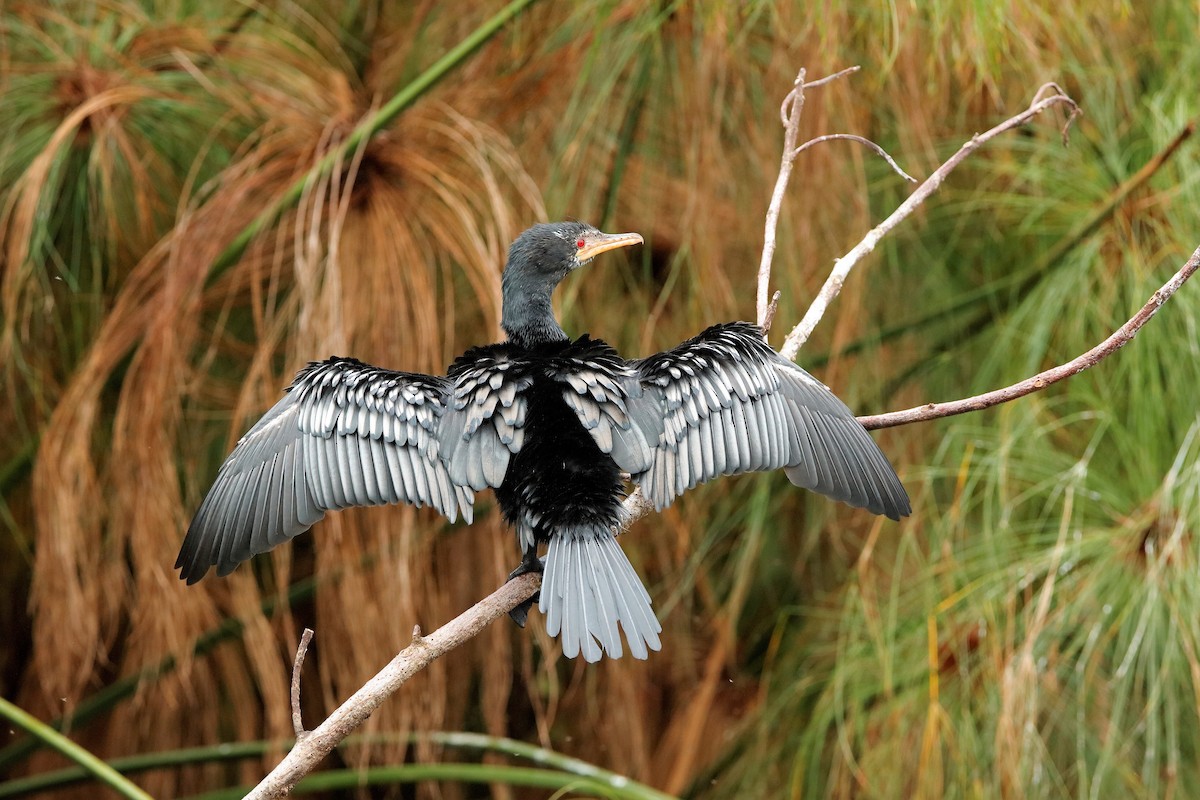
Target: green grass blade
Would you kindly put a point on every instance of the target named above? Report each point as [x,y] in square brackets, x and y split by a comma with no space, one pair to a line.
[100,770]
[571,770]
[368,127]
[113,693]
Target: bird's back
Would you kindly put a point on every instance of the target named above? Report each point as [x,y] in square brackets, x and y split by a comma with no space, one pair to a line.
[559,478]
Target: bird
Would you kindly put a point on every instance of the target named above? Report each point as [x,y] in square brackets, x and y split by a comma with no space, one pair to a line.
[558,428]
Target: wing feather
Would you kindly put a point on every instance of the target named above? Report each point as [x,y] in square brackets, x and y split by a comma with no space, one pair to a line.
[267,516]
[344,434]
[727,403]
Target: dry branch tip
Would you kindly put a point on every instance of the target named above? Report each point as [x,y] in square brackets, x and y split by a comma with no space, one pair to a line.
[861,140]
[771,309]
[297,669]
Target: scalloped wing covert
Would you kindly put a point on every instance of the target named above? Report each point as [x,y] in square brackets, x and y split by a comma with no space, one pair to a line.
[599,385]
[487,427]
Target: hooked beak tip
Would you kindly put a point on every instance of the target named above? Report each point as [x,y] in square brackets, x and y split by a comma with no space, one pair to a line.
[596,244]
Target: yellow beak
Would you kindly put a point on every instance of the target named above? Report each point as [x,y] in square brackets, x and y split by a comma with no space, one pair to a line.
[597,243]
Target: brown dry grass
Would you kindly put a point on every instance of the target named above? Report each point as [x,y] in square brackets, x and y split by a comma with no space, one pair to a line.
[395,258]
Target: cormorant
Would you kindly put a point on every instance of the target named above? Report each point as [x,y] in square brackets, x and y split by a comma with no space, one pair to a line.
[550,424]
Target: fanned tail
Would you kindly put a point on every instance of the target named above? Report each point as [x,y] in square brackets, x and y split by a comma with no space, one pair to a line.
[588,588]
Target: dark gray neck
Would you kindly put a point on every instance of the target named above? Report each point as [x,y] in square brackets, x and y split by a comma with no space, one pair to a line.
[527,316]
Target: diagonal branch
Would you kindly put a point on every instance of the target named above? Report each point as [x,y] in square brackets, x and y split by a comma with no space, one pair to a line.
[833,284]
[1121,337]
[320,742]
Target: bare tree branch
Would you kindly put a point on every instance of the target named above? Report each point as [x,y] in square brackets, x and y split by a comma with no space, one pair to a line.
[1047,96]
[319,742]
[789,115]
[842,267]
[297,669]
[1121,337]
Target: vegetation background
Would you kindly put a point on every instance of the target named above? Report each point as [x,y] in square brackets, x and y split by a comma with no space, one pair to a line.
[1033,630]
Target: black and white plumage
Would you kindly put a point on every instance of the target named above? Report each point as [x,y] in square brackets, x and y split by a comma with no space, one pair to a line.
[345,434]
[552,425]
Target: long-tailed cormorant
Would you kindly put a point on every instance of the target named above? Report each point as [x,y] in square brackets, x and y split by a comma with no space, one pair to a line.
[550,424]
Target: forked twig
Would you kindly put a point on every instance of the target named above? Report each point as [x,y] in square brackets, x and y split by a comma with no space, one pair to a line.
[789,114]
[833,284]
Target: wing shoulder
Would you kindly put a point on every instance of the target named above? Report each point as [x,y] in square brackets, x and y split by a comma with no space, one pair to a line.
[602,389]
[372,437]
[716,397]
[485,422]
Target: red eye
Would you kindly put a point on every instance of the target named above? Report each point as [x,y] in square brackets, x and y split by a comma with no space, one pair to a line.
[580,244]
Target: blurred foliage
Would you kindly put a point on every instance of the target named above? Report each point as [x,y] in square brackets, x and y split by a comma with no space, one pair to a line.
[1031,631]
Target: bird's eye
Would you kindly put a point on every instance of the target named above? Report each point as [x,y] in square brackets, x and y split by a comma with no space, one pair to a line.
[580,244]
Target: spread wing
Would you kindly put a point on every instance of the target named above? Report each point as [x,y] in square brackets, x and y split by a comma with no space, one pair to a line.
[728,404]
[345,434]
[487,426]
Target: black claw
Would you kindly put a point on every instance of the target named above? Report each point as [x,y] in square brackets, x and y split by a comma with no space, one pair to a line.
[530,563]
[520,614]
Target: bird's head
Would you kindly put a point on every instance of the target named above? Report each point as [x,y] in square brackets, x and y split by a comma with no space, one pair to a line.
[548,252]
[537,261]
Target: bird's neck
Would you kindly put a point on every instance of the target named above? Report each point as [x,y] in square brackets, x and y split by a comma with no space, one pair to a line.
[528,318]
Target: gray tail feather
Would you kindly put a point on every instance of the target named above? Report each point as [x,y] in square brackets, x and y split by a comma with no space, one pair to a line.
[588,587]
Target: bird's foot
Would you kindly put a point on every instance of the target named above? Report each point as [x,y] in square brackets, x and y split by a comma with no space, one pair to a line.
[531,563]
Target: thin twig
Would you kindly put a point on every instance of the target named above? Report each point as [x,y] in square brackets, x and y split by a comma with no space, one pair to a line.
[297,668]
[1121,337]
[772,309]
[833,284]
[861,140]
[320,741]
[789,115]
[831,78]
